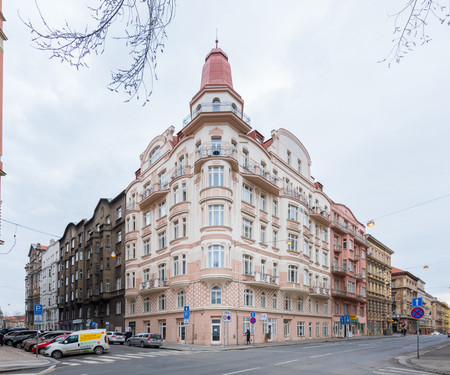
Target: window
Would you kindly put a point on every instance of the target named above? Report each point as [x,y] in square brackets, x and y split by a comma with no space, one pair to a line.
[183,264]
[248,297]
[162,180]
[183,227]
[305,277]
[147,304]
[175,265]
[247,265]
[263,234]
[292,242]
[245,158]
[119,213]
[146,274]
[162,302]
[275,301]
[318,329]
[300,328]
[300,304]
[350,244]
[344,243]
[216,215]
[118,308]
[247,194]
[299,166]
[216,106]
[181,299]
[275,208]
[162,274]
[162,240]
[351,287]
[118,283]
[263,202]
[133,307]
[216,295]
[275,271]
[147,218]
[288,157]
[184,192]
[176,195]
[292,212]
[287,303]
[215,256]
[274,238]
[154,155]
[247,228]
[292,274]
[325,259]
[146,247]
[176,229]
[263,299]
[119,236]
[215,176]
[162,209]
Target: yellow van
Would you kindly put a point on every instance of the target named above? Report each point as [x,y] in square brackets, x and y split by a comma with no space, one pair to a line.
[79,342]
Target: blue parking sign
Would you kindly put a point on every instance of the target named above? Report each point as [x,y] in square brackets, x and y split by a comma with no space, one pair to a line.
[186,312]
[37,309]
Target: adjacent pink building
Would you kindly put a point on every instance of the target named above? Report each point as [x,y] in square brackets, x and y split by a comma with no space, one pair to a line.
[348,271]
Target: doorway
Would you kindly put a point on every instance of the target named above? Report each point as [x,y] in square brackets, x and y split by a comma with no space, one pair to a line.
[215,331]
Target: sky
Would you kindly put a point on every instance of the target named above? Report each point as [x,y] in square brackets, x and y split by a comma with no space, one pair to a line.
[377,136]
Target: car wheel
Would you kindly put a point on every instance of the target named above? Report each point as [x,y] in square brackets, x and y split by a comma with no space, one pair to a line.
[57,354]
[121,343]
[142,344]
[42,351]
[19,345]
[128,343]
[9,343]
[99,350]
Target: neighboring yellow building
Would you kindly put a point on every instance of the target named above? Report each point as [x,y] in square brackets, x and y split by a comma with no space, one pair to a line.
[379,299]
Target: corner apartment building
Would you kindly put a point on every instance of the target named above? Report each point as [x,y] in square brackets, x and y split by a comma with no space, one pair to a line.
[32,281]
[379,297]
[439,318]
[91,269]
[221,219]
[404,289]
[348,270]
[48,281]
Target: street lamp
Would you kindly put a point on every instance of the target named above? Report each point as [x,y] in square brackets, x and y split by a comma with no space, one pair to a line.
[370,223]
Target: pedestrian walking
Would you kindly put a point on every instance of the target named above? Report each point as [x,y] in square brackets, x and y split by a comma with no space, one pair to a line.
[248,336]
[1,340]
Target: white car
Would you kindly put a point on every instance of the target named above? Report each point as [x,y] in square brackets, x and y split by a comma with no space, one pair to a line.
[79,342]
[116,337]
[436,333]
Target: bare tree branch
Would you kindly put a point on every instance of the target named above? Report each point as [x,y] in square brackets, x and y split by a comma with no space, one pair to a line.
[144,36]
[413,30]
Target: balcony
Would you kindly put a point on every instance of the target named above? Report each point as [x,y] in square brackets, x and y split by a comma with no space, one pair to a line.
[338,270]
[295,288]
[338,292]
[339,227]
[153,194]
[337,248]
[181,171]
[292,193]
[131,207]
[262,280]
[216,274]
[217,107]
[320,215]
[153,285]
[318,291]
[217,151]
[357,257]
[256,175]
[359,276]
[359,238]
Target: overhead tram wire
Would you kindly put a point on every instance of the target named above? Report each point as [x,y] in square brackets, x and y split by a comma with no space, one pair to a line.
[371,223]
[29,228]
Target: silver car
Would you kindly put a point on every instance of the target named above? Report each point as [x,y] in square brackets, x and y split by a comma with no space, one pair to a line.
[145,340]
[116,337]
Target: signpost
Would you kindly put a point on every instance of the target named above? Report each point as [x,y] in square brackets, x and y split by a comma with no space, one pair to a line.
[226,318]
[417,313]
[186,322]
[37,320]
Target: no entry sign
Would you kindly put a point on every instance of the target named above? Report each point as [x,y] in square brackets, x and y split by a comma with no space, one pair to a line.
[417,312]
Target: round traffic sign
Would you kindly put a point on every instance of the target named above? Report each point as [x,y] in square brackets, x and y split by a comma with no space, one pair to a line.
[417,312]
[253,320]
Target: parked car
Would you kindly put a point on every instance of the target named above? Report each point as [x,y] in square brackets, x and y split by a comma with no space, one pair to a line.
[11,338]
[5,331]
[79,342]
[43,345]
[116,337]
[44,336]
[436,333]
[145,340]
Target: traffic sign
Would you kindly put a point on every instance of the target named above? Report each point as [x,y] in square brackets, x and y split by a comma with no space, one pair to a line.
[226,316]
[37,309]
[88,321]
[186,312]
[186,322]
[37,318]
[417,312]
[252,314]
[253,320]
[345,319]
[417,302]
[263,316]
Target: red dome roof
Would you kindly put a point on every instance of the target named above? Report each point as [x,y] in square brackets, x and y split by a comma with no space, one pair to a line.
[217,70]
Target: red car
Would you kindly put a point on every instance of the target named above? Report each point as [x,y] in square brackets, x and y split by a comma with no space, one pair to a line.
[44,344]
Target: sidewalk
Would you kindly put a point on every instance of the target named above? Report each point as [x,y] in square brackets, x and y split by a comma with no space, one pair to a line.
[12,359]
[435,359]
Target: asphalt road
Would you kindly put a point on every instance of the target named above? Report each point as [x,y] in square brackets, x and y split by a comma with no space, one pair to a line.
[366,356]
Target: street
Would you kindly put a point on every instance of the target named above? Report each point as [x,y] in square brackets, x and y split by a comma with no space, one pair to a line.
[363,356]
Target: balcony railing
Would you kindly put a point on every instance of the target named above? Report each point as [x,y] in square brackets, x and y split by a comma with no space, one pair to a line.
[216,107]
[296,195]
[318,290]
[180,171]
[216,150]
[154,284]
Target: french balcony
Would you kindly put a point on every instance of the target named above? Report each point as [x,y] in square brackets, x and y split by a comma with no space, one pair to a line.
[181,171]
[294,194]
[217,107]
[153,194]
[320,215]
[263,280]
[318,291]
[357,257]
[131,207]
[295,288]
[337,248]
[336,292]
[153,285]
[258,176]
[338,270]
[217,151]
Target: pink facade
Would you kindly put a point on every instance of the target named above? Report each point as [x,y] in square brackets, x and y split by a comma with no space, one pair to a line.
[349,249]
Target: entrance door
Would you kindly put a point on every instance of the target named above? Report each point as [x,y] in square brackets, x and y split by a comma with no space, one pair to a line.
[181,331]
[286,328]
[215,331]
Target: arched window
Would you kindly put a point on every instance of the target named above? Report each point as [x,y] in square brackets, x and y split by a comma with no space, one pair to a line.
[248,297]
[216,295]
[154,155]
[181,298]
[216,105]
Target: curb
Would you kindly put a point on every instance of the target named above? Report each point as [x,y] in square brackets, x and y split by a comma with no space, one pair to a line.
[22,366]
[406,361]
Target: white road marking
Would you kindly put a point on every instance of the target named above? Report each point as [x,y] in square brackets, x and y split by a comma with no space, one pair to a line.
[241,371]
[320,355]
[283,363]
[404,370]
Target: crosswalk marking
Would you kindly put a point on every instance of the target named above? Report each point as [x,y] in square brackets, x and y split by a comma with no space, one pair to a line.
[399,371]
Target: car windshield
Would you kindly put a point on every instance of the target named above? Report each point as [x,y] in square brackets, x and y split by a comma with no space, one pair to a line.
[155,336]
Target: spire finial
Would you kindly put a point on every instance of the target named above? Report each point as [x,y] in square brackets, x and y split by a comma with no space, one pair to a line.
[217,38]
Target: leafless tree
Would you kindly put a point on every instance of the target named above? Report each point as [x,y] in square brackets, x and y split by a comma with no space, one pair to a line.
[410,25]
[144,35]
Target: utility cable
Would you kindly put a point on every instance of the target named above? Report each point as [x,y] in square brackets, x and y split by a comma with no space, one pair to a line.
[13,245]
[29,228]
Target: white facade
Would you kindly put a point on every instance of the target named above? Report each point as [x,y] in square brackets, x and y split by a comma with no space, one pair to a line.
[49,283]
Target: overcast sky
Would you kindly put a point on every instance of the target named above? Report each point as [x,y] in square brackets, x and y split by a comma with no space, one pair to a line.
[378,137]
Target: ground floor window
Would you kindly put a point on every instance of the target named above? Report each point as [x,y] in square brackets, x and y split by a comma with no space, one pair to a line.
[162,329]
[246,325]
[318,329]
[325,329]
[147,327]
[181,331]
[300,328]
[336,329]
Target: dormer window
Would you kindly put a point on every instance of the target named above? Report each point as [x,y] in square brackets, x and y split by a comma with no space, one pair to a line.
[234,108]
[216,105]
[198,109]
